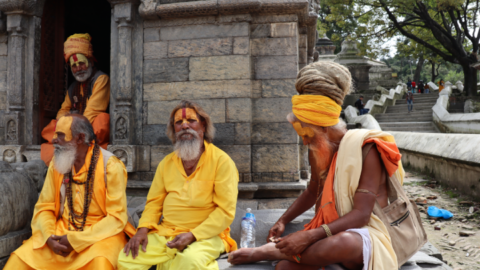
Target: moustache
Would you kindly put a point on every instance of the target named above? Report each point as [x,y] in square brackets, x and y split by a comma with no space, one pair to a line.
[186,131]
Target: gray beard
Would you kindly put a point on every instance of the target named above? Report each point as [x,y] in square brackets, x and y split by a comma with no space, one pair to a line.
[188,149]
[64,158]
[82,76]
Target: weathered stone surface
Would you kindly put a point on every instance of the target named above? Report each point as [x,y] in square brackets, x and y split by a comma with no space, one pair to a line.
[3,100]
[204,31]
[278,88]
[155,50]
[260,30]
[179,21]
[3,63]
[126,154]
[224,134]
[302,41]
[200,47]
[155,134]
[234,67]
[274,46]
[197,90]
[3,81]
[257,89]
[271,109]
[165,70]
[240,154]
[143,158]
[275,203]
[273,133]
[241,45]
[3,49]
[244,204]
[276,67]
[151,34]
[159,111]
[275,158]
[11,241]
[239,110]
[284,30]
[35,169]
[243,132]
[20,193]
[302,56]
[234,18]
[159,152]
[270,18]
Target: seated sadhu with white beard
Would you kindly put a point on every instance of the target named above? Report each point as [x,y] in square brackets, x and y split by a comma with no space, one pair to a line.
[195,189]
[344,234]
[81,214]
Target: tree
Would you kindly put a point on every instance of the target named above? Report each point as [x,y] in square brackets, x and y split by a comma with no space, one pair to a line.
[447,28]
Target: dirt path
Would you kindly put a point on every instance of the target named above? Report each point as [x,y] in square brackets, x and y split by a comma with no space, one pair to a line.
[460,252]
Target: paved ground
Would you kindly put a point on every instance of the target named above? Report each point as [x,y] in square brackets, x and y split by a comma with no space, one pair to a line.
[459,252]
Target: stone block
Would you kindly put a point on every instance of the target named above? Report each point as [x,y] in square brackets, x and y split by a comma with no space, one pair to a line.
[224,134]
[3,49]
[165,22]
[257,89]
[158,153]
[3,81]
[291,176]
[143,158]
[273,133]
[143,176]
[204,31]
[275,203]
[275,158]
[3,100]
[127,154]
[165,70]
[302,56]
[234,18]
[200,47]
[159,111]
[284,30]
[234,67]
[241,155]
[3,63]
[241,45]
[155,135]
[13,240]
[278,88]
[260,30]
[151,34]
[302,41]
[243,133]
[274,46]
[155,50]
[244,204]
[197,90]
[271,18]
[239,110]
[247,177]
[276,67]
[271,109]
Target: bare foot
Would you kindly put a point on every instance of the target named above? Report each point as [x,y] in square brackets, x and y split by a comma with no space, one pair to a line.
[241,256]
[266,252]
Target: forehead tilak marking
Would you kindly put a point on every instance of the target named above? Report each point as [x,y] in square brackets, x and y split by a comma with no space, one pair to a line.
[184,113]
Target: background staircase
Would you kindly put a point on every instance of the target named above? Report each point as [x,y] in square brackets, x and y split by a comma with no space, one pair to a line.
[397,118]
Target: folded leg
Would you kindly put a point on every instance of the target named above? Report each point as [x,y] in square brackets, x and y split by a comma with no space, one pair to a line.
[15,263]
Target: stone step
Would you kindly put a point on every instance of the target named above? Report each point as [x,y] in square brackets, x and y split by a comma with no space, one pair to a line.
[403,108]
[425,101]
[425,127]
[405,119]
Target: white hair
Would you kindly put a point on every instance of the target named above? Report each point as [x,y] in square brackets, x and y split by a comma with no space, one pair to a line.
[64,157]
[187,149]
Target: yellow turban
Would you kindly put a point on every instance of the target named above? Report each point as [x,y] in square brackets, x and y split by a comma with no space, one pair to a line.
[78,43]
[316,110]
[64,125]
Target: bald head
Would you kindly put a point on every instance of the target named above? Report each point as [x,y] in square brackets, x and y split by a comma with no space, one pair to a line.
[81,125]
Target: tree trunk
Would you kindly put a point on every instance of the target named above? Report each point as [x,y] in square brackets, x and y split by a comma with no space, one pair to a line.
[420,63]
[470,77]
[434,76]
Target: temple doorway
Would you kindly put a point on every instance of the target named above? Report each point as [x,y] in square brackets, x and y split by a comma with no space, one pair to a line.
[60,19]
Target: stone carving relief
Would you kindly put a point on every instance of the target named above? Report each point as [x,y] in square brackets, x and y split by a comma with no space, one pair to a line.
[11,131]
[12,153]
[121,129]
[127,154]
[17,5]
[9,156]
[122,155]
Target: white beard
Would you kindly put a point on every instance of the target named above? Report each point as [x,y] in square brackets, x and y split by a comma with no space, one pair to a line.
[64,157]
[82,76]
[188,149]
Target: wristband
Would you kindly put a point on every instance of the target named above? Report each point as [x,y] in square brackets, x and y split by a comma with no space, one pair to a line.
[327,230]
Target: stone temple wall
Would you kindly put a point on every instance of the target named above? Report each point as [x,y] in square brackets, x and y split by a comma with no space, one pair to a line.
[3,84]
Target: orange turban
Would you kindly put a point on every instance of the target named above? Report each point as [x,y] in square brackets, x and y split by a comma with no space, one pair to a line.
[316,110]
[78,43]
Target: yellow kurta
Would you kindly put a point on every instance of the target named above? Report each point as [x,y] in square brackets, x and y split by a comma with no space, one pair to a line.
[96,104]
[203,203]
[103,234]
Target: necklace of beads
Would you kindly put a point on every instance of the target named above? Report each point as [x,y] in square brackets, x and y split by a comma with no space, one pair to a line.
[78,220]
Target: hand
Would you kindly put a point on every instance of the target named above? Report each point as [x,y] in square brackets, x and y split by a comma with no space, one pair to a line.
[140,238]
[276,231]
[60,245]
[181,241]
[294,243]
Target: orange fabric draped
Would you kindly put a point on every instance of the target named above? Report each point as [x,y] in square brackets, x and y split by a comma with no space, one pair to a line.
[101,127]
[327,212]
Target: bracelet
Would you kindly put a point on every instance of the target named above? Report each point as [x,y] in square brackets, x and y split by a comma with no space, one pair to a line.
[327,230]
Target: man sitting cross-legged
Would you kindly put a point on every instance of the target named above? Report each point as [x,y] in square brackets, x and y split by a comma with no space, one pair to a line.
[195,189]
[344,230]
[80,217]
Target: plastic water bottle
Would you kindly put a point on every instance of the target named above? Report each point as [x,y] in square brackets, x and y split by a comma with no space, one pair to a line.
[248,230]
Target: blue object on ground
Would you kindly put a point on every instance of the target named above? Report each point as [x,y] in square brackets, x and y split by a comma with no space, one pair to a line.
[434,211]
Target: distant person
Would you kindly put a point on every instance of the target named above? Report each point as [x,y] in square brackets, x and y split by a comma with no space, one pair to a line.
[441,85]
[427,88]
[410,101]
[421,87]
[414,85]
[360,106]
[409,84]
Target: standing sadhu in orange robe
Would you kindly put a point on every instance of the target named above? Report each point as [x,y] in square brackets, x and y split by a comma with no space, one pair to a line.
[80,219]
[89,95]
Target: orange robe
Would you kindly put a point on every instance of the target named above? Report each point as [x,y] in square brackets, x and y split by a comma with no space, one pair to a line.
[103,234]
[95,112]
